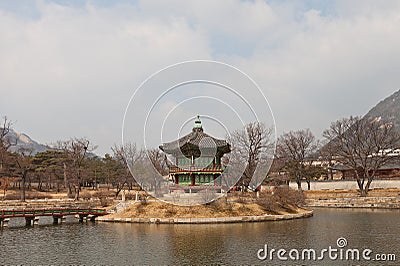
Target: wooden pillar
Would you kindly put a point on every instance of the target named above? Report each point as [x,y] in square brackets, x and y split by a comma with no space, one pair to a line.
[91,218]
[57,219]
[192,179]
[28,221]
[5,222]
[81,217]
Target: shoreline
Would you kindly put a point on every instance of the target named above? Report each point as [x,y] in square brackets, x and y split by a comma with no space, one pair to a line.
[211,220]
[356,203]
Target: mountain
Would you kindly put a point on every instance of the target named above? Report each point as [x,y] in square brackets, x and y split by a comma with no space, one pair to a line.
[388,110]
[25,142]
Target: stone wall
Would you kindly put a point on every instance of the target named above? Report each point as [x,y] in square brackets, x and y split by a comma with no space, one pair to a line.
[346,184]
[212,220]
[359,202]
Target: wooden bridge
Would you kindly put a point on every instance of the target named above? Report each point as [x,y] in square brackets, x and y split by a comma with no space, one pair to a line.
[32,215]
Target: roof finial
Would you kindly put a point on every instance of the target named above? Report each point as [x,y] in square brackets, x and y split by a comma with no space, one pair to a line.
[197,124]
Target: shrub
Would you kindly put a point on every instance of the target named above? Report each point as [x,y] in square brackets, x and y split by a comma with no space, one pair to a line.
[143,200]
[281,198]
[289,196]
[85,195]
[268,202]
[36,195]
[169,212]
[28,196]
[140,206]
[104,202]
[104,197]
[14,196]
[130,196]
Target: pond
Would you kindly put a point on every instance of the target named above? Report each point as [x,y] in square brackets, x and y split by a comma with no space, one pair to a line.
[222,244]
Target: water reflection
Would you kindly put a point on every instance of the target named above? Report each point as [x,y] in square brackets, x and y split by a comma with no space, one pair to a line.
[233,244]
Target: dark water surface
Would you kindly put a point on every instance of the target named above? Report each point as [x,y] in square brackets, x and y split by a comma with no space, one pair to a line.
[220,244]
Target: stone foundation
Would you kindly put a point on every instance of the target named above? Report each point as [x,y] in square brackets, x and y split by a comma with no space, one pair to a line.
[213,220]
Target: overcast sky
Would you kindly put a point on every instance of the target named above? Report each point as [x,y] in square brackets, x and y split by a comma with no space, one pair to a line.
[69,68]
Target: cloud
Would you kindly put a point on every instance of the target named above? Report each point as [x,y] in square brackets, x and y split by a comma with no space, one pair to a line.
[327,67]
[69,70]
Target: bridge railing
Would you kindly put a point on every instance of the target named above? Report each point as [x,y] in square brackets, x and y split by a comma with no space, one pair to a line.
[51,212]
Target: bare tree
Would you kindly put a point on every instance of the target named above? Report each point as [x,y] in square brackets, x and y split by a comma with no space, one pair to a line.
[7,162]
[19,163]
[296,148]
[5,184]
[75,151]
[159,160]
[252,146]
[326,154]
[23,166]
[362,144]
[6,141]
[129,156]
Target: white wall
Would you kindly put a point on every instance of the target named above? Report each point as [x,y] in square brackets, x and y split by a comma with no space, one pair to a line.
[346,185]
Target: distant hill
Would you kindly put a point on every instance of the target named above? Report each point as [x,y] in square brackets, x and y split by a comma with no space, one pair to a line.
[25,142]
[388,110]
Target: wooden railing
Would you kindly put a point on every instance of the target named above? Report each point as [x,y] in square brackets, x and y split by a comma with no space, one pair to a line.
[51,212]
[195,169]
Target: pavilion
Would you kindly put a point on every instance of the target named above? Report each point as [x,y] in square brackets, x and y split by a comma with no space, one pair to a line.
[197,158]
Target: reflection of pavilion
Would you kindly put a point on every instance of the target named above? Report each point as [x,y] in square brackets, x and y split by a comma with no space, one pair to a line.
[197,159]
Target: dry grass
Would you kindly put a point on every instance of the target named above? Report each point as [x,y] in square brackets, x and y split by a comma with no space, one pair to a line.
[283,200]
[165,210]
[29,195]
[216,209]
